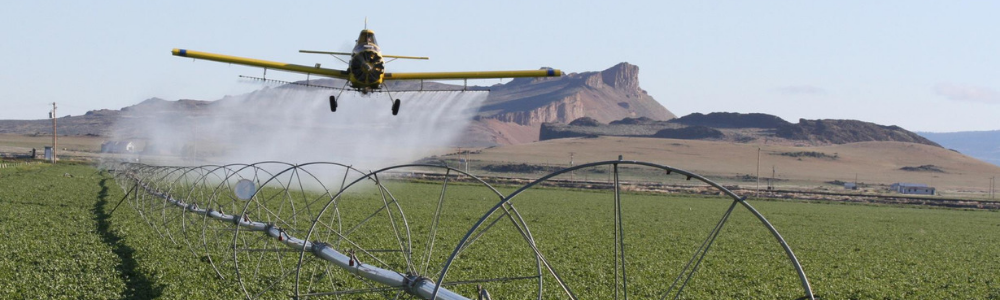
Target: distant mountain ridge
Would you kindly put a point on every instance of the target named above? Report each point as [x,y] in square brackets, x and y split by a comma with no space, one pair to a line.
[160,105]
[984,145]
[95,122]
[738,127]
[608,102]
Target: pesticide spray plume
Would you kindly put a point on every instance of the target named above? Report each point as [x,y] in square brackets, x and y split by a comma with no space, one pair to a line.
[294,124]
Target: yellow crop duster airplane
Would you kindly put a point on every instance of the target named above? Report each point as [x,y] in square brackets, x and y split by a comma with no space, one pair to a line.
[366,68]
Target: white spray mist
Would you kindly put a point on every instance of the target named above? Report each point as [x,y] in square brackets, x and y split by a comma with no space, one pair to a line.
[295,125]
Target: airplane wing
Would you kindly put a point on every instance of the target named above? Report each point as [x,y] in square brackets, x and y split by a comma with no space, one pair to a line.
[316,70]
[472,75]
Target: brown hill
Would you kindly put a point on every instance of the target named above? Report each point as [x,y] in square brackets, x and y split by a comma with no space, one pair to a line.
[100,122]
[95,122]
[157,105]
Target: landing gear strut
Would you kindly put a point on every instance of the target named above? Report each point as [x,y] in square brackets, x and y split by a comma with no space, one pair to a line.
[395,107]
[333,104]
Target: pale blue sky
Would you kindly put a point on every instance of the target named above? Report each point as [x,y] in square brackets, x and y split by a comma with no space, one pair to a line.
[922,65]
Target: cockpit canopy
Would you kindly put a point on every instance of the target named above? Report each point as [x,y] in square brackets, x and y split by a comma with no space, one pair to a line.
[366,42]
[367,37]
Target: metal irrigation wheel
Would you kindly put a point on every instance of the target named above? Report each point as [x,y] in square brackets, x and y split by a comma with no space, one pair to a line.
[283,206]
[217,235]
[344,233]
[382,237]
[618,240]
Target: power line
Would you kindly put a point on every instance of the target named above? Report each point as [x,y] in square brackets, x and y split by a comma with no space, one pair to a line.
[991,191]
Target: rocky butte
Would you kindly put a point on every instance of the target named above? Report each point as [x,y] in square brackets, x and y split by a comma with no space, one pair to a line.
[514,112]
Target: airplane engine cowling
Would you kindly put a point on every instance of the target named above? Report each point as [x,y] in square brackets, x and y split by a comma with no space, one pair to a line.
[367,69]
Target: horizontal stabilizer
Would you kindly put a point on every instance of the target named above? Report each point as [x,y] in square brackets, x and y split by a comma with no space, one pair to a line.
[406,57]
[348,54]
[324,52]
[306,84]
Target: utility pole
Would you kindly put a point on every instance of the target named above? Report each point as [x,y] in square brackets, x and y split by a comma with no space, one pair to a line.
[993,187]
[54,133]
[571,175]
[771,183]
[758,173]
[463,159]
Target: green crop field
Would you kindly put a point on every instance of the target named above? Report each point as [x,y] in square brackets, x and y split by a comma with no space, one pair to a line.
[62,241]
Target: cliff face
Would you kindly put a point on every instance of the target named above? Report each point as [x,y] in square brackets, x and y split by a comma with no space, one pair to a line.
[623,77]
[604,96]
[556,111]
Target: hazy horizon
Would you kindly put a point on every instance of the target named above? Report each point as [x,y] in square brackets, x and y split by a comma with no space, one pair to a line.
[263,87]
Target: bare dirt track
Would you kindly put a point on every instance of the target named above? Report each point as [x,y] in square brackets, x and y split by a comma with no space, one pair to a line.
[71,143]
[795,167]
[871,162]
[78,146]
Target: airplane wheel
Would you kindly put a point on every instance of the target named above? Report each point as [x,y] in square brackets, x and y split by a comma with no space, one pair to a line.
[395,107]
[333,103]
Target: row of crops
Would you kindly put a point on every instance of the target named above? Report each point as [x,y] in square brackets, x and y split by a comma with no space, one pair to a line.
[324,229]
[66,241]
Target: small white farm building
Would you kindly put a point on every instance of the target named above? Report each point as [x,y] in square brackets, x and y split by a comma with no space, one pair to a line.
[912,188]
